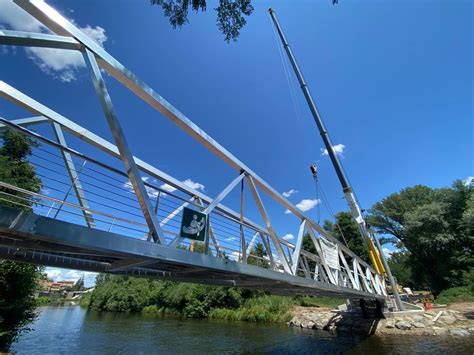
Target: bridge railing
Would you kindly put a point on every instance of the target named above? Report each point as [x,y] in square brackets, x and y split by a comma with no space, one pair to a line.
[133,201]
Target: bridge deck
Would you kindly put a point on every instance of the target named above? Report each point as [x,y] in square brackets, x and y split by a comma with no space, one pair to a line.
[25,236]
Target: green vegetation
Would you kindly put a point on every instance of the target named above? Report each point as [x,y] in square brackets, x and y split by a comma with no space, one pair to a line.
[230,14]
[127,294]
[264,308]
[435,230]
[456,295]
[85,300]
[18,281]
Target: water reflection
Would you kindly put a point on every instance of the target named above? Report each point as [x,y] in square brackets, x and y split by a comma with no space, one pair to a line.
[74,330]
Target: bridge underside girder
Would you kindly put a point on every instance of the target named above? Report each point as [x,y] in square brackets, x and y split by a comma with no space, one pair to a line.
[27,237]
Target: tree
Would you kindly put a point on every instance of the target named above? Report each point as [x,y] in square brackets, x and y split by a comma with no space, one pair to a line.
[399,263]
[261,256]
[16,170]
[435,226]
[79,285]
[230,14]
[18,281]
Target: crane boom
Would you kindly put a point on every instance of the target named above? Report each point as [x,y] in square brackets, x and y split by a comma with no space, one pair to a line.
[376,257]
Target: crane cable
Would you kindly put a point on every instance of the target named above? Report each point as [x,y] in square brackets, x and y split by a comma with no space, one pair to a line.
[291,86]
[324,200]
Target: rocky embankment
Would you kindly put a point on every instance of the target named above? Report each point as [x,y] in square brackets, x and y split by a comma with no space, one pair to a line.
[455,321]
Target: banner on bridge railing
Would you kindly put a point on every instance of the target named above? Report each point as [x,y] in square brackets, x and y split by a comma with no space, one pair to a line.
[331,254]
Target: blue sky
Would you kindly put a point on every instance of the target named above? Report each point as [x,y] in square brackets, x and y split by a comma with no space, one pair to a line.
[393,81]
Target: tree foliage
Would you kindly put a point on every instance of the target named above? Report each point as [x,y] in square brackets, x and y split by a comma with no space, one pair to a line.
[16,170]
[258,256]
[230,14]
[17,281]
[436,228]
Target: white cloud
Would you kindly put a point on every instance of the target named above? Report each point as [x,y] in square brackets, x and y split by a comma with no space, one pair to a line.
[61,64]
[151,192]
[289,192]
[288,236]
[194,185]
[57,274]
[306,205]
[469,181]
[53,273]
[168,187]
[231,239]
[387,252]
[338,149]
[235,255]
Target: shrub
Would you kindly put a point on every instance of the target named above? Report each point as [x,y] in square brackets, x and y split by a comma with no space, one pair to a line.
[456,294]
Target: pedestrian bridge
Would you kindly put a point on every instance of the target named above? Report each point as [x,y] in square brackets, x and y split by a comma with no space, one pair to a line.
[103,209]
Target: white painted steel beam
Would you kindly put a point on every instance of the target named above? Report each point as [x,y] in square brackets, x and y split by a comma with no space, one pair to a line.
[26,122]
[296,253]
[125,153]
[73,176]
[266,219]
[223,194]
[31,39]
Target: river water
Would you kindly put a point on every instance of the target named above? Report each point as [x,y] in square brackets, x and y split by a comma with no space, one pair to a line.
[71,330]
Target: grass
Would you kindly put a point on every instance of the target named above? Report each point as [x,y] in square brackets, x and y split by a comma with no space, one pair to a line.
[263,309]
[456,295]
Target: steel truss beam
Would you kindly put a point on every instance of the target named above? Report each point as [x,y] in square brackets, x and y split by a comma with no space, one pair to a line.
[63,27]
[124,150]
[266,219]
[73,176]
[70,37]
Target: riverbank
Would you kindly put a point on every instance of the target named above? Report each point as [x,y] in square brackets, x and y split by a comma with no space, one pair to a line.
[126,294]
[455,320]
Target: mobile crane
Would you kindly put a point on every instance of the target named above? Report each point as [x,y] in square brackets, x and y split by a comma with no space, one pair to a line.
[375,250]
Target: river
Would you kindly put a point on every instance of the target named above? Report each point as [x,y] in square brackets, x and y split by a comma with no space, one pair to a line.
[76,330]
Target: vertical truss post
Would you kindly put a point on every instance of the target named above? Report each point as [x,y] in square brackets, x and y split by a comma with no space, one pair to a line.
[73,175]
[242,234]
[124,150]
[266,219]
[356,274]
[210,233]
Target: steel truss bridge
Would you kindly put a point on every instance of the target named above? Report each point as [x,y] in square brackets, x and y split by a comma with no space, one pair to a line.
[91,215]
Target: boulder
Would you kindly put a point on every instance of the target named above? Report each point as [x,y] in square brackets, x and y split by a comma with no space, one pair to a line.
[440,331]
[458,332]
[294,322]
[403,325]
[418,318]
[418,325]
[448,319]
